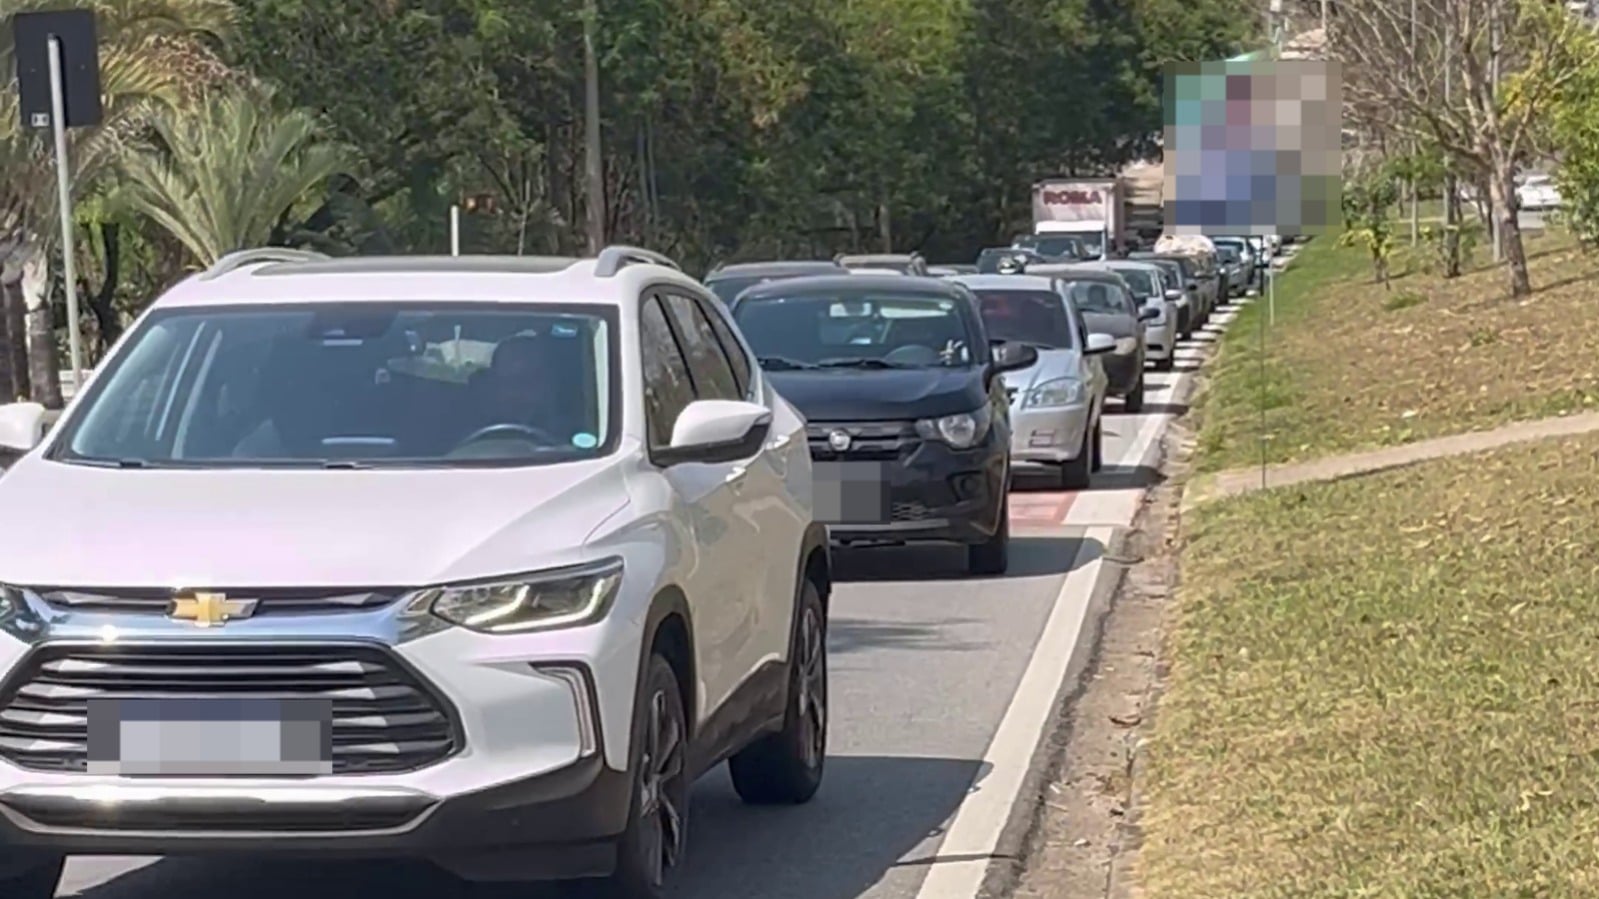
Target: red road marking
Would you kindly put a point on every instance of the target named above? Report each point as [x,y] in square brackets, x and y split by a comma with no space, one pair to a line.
[1040,508]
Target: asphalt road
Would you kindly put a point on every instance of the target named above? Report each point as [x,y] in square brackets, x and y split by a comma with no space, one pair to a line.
[926,664]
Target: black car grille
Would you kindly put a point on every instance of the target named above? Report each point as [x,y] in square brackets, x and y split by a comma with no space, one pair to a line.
[268,602]
[909,511]
[385,719]
[869,441]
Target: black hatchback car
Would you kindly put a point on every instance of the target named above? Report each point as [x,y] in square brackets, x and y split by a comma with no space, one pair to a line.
[909,424]
[728,281]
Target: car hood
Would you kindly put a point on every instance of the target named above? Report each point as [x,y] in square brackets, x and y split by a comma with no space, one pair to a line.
[856,395]
[76,526]
[1051,365]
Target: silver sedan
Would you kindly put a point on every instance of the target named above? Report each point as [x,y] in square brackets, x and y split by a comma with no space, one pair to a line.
[1056,404]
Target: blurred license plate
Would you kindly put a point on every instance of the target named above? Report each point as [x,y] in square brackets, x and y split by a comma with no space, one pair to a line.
[851,492]
[210,737]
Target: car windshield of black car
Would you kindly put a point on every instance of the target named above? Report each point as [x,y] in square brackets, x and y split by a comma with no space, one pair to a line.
[864,330]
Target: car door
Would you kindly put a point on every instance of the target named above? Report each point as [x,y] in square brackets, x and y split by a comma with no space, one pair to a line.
[755,610]
[705,501]
[782,477]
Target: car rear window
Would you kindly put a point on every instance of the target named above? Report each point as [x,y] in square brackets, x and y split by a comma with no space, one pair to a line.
[1026,316]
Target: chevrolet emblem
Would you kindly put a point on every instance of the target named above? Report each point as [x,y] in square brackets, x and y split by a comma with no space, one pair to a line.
[210,609]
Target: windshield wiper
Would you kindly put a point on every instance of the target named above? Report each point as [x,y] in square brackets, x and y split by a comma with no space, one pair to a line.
[110,463]
[862,363]
[781,363]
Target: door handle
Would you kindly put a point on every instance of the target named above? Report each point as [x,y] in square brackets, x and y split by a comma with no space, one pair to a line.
[737,474]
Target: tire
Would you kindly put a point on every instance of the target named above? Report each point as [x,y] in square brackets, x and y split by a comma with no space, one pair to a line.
[37,881]
[1099,443]
[1074,474]
[992,556]
[786,768]
[1165,364]
[653,843]
[1133,402]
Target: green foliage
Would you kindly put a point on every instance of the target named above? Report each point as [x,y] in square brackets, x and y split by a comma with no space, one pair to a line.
[1436,241]
[222,175]
[1367,201]
[1569,128]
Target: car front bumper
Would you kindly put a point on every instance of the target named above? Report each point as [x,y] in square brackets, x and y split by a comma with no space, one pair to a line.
[892,486]
[1125,366]
[1049,435]
[1160,339]
[450,745]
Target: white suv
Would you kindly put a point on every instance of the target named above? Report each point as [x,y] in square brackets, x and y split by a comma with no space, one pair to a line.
[477,559]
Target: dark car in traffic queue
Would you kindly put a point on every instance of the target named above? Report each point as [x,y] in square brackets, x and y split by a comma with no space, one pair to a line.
[1237,267]
[1252,259]
[1109,306]
[1202,297]
[728,281]
[908,419]
[1009,260]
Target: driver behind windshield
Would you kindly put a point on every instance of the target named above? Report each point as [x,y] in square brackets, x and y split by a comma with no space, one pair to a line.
[516,397]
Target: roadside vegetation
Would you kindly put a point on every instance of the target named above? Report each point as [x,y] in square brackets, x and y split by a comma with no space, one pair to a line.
[1384,687]
[1354,365]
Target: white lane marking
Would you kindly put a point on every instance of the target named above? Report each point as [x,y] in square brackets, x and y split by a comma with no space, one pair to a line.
[974,832]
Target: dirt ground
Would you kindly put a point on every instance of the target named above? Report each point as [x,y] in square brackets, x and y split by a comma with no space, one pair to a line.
[1086,832]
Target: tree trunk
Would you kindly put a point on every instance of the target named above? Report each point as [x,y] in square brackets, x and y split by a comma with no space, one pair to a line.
[1504,210]
[44,365]
[1452,226]
[102,302]
[13,343]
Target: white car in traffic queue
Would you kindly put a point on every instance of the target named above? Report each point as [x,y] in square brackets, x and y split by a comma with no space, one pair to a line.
[1056,405]
[459,549]
[1149,285]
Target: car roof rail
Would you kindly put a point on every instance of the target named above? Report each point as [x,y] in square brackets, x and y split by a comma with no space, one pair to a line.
[256,255]
[614,258]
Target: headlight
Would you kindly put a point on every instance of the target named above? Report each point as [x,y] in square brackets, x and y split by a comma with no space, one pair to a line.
[1059,392]
[962,431]
[561,597]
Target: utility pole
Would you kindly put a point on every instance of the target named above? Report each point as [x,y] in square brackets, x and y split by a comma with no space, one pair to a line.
[594,161]
[1415,145]
[1493,81]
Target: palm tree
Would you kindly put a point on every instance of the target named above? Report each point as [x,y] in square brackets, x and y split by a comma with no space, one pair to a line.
[222,175]
[151,51]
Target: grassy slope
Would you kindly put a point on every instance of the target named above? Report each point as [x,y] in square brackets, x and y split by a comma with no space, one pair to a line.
[1351,366]
[1385,687]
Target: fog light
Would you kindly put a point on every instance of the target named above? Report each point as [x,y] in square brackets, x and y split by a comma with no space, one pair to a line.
[968,486]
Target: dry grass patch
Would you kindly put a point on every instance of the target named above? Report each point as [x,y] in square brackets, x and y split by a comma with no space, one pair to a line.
[1385,687]
[1352,366]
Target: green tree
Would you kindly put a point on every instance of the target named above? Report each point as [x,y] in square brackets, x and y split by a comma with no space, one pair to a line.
[149,50]
[225,174]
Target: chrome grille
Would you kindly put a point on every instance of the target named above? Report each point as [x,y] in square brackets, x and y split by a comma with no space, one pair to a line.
[385,719]
[873,440]
[269,602]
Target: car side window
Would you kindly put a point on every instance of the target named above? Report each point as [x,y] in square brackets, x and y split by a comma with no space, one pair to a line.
[730,345]
[668,386]
[713,374]
[1129,302]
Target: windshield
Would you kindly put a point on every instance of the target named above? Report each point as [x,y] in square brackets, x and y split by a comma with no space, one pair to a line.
[1228,253]
[1096,296]
[1035,317]
[1142,281]
[350,385]
[989,261]
[1052,244]
[866,329]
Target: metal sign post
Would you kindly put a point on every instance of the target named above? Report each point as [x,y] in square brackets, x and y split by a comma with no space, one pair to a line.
[455,230]
[58,124]
[58,87]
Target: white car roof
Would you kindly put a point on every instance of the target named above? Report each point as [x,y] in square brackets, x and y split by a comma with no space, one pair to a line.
[493,279]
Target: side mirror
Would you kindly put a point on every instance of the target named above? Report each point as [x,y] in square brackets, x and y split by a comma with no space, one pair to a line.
[1193,285]
[1148,313]
[21,426]
[714,432]
[1174,294]
[1099,343]
[1013,356]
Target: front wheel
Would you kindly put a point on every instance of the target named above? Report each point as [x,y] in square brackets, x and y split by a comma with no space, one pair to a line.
[992,556]
[785,768]
[652,845]
[1134,401]
[1165,364]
